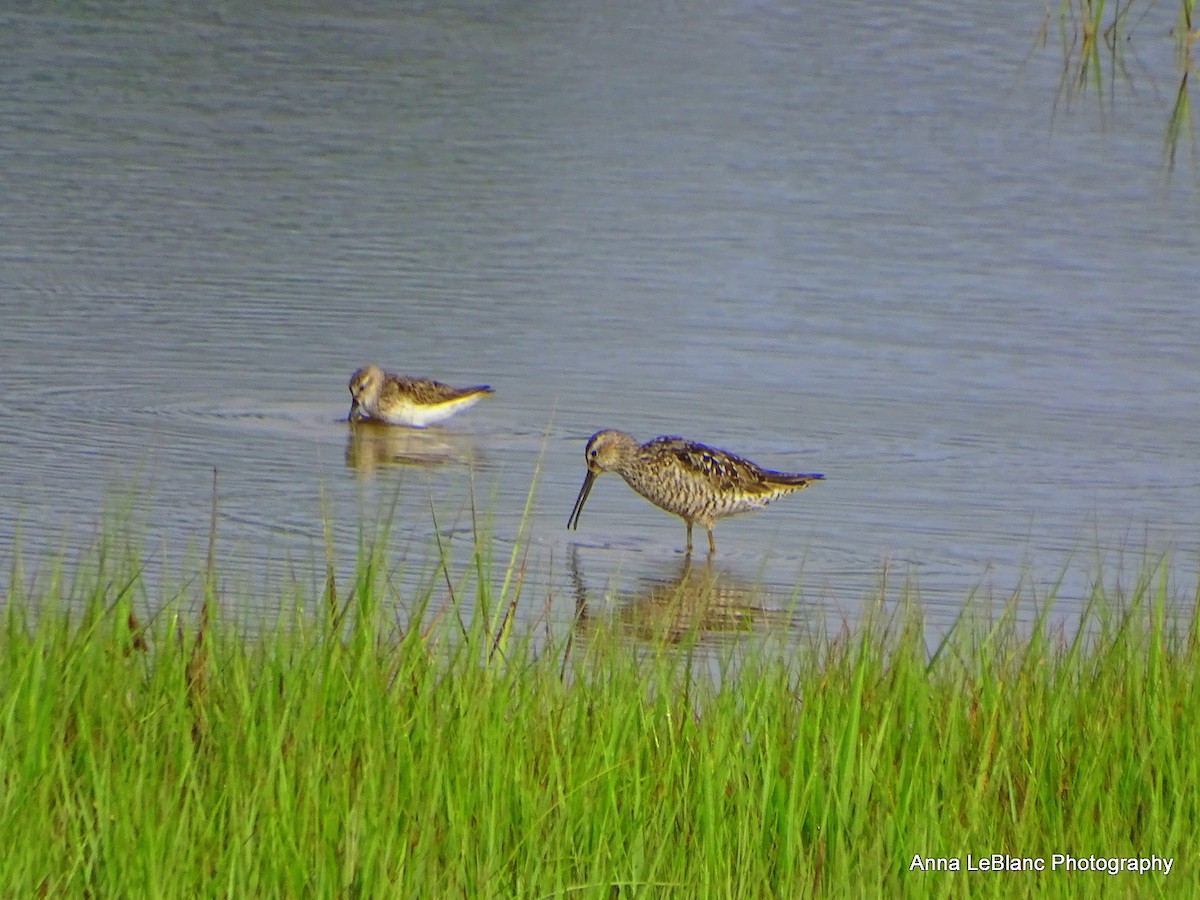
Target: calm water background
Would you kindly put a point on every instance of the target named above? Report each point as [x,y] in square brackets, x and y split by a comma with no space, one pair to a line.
[837,238]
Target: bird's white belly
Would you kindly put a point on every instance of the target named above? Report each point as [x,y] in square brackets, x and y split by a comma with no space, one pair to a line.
[418,416]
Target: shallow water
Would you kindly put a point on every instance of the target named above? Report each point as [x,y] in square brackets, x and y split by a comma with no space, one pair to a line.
[827,242]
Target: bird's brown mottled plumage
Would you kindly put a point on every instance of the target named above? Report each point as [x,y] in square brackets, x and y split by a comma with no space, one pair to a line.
[695,482]
[400,400]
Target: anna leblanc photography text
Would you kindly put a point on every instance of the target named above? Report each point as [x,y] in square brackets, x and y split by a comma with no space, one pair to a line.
[1058,862]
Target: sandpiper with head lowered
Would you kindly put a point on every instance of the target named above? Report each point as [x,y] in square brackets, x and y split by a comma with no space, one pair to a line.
[399,400]
[698,483]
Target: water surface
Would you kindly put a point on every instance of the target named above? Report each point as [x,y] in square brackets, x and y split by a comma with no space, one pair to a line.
[838,239]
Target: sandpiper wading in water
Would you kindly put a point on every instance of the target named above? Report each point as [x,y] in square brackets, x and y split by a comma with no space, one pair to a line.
[399,400]
[695,482]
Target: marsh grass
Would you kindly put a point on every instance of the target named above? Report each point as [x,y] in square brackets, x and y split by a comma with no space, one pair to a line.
[1093,36]
[347,750]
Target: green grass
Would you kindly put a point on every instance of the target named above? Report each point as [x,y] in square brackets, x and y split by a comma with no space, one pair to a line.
[334,752]
[1093,36]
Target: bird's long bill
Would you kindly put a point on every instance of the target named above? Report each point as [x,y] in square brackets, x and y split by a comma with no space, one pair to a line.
[573,522]
[355,413]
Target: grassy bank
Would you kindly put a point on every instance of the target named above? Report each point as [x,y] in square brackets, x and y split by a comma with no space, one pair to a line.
[333,753]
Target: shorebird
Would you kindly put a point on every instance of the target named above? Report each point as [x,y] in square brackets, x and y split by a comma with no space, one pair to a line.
[695,482]
[398,400]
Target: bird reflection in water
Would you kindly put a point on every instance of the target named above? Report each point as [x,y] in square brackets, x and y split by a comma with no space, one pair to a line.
[370,446]
[698,600]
